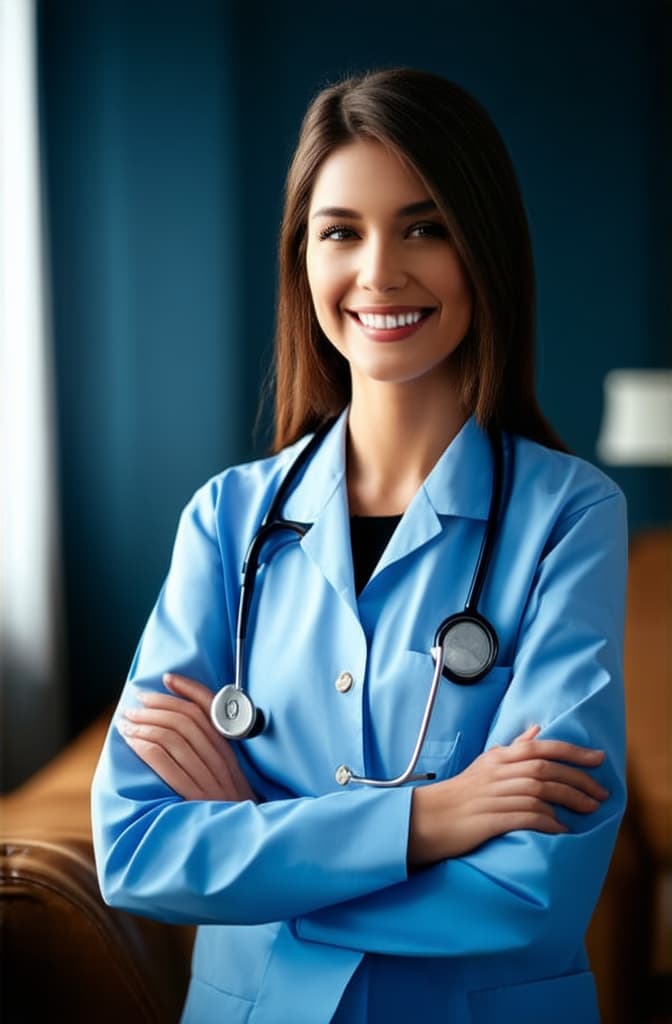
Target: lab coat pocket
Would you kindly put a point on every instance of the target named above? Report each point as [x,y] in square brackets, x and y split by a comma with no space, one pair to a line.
[553,1000]
[461,718]
[439,758]
[411,686]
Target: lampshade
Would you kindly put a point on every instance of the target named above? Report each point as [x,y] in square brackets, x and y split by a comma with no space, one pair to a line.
[637,420]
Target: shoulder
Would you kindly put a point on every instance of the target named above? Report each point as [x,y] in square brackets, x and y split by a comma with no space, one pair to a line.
[239,495]
[558,481]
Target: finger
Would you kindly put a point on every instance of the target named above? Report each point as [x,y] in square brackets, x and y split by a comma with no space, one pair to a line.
[173,713]
[178,716]
[182,725]
[219,747]
[156,699]
[515,802]
[553,750]
[185,687]
[572,799]
[199,697]
[500,822]
[165,767]
[556,793]
[519,821]
[529,734]
[556,772]
[178,749]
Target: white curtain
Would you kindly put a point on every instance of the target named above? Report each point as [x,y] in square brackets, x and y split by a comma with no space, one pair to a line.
[33,714]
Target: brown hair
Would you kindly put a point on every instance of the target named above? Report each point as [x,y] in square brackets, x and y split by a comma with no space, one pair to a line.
[451,142]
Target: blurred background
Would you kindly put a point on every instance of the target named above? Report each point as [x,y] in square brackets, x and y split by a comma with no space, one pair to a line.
[164,134]
[143,153]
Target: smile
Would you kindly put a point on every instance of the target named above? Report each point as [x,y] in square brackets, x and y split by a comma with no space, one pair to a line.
[392,326]
[389,320]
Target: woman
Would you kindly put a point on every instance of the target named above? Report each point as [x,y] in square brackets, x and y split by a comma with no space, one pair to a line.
[406,312]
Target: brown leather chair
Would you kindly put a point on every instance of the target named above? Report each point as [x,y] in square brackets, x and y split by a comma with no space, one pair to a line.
[66,955]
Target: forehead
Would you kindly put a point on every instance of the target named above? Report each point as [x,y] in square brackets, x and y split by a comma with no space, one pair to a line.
[365,173]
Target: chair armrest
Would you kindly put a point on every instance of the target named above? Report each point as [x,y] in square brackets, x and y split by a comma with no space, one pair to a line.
[66,955]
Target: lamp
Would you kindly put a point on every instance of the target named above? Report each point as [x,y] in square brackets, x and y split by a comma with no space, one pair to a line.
[637,421]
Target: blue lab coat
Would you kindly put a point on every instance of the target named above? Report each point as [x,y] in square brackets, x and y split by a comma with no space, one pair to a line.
[307,912]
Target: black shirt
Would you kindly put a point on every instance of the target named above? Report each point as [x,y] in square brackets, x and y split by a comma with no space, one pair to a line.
[369,536]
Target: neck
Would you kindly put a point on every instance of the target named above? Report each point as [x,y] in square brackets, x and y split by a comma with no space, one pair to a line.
[396,434]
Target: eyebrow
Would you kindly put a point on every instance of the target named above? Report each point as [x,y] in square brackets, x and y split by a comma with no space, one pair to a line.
[412,210]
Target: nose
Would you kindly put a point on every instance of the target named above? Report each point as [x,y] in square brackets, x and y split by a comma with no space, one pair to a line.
[381,268]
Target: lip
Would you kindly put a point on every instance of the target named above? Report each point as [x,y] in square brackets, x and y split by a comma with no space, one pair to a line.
[386,334]
[392,310]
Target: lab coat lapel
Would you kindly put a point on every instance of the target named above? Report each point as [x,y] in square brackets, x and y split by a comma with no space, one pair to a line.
[459,485]
[320,497]
[327,544]
[419,524]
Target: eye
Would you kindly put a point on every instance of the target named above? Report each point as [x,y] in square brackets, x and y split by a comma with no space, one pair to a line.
[428,229]
[337,233]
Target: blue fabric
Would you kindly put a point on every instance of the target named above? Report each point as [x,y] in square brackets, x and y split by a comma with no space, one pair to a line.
[308,891]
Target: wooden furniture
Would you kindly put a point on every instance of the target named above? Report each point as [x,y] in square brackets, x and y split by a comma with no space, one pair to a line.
[65,955]
[648,678]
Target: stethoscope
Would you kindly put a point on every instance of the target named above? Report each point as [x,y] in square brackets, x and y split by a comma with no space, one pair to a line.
[465,644]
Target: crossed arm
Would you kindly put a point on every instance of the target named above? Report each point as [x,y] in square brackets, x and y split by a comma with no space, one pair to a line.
[507,788]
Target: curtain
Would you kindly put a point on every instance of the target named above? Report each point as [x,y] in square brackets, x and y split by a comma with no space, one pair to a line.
[33,707]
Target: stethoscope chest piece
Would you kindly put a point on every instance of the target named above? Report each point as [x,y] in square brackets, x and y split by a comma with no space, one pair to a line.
[233,714]
[469,645]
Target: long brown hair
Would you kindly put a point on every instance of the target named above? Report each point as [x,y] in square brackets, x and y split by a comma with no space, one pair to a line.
[451,142]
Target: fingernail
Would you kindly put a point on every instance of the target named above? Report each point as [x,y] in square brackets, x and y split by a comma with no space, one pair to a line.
[127,728]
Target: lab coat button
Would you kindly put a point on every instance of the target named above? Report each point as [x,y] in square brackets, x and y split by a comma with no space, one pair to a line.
[344,682]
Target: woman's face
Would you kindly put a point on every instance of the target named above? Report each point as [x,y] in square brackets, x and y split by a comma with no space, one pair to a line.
[388,287]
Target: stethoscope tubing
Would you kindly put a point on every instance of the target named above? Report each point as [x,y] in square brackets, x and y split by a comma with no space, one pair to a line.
[272,523]
[494,516]
[344,774]
[233,712]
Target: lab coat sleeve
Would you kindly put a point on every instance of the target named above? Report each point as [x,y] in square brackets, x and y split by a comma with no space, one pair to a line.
[218,862]
[527,889]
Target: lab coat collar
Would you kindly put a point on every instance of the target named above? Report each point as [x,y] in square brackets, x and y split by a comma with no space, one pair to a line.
[320,497]
[459,485]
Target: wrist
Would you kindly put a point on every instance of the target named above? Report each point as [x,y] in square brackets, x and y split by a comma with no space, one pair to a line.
[422,835]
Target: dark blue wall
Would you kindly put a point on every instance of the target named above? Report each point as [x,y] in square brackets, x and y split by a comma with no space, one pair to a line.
[168,127]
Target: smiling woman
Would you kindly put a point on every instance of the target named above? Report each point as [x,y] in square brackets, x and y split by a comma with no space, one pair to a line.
[339,886]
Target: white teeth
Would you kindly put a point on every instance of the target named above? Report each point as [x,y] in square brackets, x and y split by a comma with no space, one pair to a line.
[389,321]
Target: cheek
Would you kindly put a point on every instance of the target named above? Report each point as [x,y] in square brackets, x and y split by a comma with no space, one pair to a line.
[456,293]
[326,288]
[463,299]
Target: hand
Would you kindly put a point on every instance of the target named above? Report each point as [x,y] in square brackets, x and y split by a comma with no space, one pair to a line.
[503,790]
[175,737]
